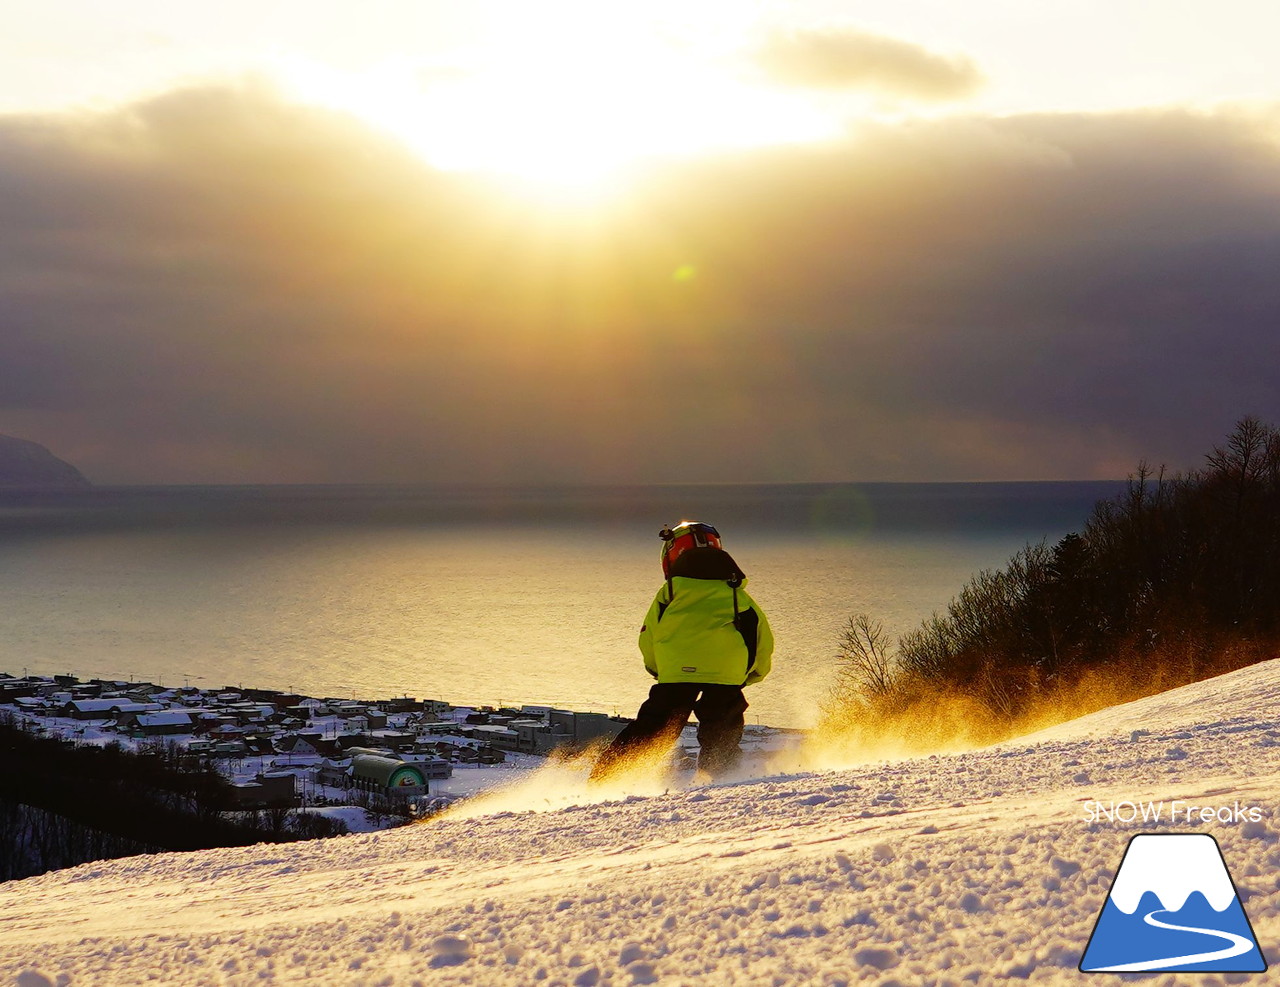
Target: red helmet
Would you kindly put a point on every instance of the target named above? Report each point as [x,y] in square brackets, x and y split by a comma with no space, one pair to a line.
[679,538]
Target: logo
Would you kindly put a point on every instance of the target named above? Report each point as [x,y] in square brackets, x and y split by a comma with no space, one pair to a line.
[1172,908]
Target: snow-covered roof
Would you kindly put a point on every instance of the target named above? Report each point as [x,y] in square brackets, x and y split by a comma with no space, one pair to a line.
[94,705]
[137,707]
[164,718]
[427,761]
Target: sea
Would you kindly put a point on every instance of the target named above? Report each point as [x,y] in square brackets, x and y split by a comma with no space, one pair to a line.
[479,595]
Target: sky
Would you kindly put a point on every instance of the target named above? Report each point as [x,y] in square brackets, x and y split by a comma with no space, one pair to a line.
[407,241]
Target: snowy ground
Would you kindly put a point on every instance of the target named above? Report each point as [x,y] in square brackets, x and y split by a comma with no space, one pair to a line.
[974,868]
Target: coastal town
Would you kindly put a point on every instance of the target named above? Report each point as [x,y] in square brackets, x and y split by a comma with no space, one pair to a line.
[366,764]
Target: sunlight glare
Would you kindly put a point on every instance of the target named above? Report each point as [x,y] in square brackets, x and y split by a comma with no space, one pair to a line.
[567,108]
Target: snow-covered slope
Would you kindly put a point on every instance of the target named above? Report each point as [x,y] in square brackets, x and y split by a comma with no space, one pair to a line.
[965,869]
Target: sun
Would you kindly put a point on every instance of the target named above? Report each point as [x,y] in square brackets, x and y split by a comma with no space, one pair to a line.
[565,106]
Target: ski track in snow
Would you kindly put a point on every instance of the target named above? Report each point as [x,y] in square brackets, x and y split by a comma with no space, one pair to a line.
[972,868]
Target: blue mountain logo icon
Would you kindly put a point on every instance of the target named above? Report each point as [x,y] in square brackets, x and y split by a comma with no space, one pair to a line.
[1172,908]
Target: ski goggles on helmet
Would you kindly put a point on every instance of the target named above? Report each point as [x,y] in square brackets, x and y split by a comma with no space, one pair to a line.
[678,539]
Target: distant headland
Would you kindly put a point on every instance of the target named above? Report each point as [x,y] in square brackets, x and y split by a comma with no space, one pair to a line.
[28,464]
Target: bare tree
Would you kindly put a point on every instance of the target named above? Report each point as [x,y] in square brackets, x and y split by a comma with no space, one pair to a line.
[865,656]
[1245,457]
[277,818]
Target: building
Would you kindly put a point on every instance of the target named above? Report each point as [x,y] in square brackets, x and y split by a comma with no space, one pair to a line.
[404,704]
[248,714]
[388,776]
[441,728]
[334,774]
[434,768]
[580,729]
[308,744]
[11,689]
[273,697]
[396,740]
[559,729]
[531,734]
[272,790]
[162,724]
[105,709]
[498,735]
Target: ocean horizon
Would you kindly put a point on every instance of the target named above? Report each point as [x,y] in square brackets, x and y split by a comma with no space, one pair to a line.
[479,594]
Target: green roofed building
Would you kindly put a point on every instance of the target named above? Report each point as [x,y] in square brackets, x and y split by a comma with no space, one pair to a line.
[387,775]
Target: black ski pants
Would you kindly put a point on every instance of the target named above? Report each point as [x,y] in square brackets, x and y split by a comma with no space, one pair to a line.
[663,715]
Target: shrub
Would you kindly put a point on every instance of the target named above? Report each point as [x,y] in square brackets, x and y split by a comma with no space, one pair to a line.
[1176,579]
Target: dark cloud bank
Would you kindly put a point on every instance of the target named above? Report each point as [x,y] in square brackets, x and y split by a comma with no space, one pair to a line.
[216,286]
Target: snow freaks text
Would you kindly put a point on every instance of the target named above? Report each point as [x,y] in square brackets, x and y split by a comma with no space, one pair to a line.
[1176,811]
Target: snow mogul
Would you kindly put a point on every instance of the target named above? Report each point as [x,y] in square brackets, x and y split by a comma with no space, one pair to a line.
[704,639]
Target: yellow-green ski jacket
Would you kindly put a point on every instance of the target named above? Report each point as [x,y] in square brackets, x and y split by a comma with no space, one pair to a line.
[692,636]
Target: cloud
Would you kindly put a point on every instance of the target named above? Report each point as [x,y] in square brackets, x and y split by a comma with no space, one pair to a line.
[219,286]
[846,58]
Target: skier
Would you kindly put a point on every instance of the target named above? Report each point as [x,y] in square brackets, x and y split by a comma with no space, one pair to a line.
[703,639]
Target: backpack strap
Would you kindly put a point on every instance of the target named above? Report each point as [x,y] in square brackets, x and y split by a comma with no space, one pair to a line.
[671,595]
[746,622]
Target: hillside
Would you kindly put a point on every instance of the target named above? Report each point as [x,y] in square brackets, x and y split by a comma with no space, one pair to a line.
[978,867]
[28,464]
